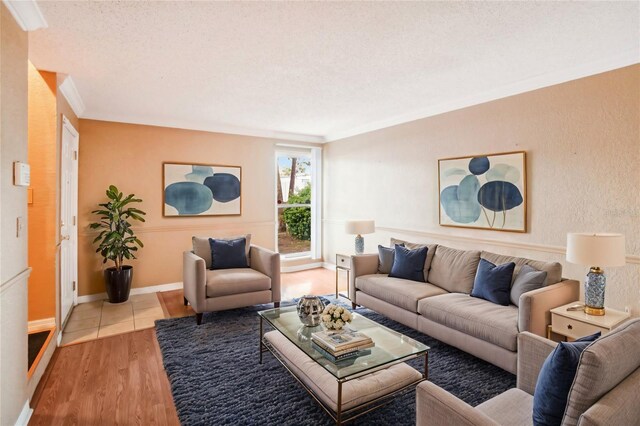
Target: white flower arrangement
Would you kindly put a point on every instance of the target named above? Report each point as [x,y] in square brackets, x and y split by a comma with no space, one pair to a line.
[335,317]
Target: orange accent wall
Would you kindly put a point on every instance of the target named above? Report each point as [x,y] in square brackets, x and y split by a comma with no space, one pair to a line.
[42,212]
[130,156]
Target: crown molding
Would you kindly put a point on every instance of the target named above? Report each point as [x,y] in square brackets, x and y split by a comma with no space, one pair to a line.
[624,59]
[71,94]
[27,14]
[203,126]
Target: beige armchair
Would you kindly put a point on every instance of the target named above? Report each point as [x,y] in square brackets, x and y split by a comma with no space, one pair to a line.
[604,390]
[217,290]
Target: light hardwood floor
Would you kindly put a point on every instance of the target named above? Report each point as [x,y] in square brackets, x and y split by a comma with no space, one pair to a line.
[120,380]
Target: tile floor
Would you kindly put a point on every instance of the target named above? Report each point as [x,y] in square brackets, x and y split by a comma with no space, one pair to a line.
[94,320]
[98,319]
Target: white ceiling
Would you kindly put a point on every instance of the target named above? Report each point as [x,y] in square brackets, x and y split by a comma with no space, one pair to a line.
[321,71]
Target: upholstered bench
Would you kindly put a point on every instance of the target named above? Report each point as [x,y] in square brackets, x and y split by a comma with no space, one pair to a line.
[324,385]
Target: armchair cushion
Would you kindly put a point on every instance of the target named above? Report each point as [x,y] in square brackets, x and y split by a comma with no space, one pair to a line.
[228,254]
[512,407]
[201,248]
[555,379]
[603,366]
[224,282]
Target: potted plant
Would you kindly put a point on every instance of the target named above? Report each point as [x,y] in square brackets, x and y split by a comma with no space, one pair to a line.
[117,241]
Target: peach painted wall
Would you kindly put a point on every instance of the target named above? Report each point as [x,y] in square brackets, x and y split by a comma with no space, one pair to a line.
[583,154]
[42,211]
[130,156]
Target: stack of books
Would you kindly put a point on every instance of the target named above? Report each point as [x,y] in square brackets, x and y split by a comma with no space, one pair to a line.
[341,345]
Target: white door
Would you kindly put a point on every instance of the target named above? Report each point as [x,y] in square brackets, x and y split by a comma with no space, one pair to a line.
[68,219]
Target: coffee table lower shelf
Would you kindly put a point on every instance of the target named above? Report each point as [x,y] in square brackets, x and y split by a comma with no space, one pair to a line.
[277,344]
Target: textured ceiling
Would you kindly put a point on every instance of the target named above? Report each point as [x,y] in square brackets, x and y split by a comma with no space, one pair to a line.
[320,69]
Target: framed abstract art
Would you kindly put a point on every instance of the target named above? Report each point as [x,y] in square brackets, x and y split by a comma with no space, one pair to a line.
[484,191]
[191,189]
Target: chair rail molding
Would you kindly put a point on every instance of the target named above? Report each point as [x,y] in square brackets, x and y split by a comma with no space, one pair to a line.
[228,226]
[543,248]
[22,276]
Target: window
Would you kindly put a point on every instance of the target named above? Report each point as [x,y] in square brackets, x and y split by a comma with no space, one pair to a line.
[296,201]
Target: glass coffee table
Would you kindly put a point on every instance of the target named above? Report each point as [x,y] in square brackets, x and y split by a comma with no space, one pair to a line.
[391,349]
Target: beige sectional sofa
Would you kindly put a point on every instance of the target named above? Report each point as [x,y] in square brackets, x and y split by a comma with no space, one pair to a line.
[442,306]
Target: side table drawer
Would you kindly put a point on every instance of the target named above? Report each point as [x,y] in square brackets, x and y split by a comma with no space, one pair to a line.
[343,261]
[572,328]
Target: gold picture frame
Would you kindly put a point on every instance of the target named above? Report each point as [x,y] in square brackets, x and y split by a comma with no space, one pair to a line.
[486,191]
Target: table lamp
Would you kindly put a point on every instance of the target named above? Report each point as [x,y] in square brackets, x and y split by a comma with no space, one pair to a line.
[357,228]
[595,251]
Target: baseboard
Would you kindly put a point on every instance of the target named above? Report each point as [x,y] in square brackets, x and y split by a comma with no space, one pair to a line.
[134,291]
[303,267]
[41,324]
[25,415]
[329,266]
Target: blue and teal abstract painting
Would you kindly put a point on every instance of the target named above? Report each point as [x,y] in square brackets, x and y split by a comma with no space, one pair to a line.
[487,191]
[201,190]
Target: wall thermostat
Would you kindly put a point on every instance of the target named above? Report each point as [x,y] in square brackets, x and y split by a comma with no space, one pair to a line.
[21,174]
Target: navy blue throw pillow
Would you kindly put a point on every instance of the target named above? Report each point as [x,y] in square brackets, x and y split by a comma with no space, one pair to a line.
[555,380]
[228,254]
[409,264]
[493,283]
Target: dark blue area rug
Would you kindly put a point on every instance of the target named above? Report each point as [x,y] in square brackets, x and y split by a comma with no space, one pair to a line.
[216,379]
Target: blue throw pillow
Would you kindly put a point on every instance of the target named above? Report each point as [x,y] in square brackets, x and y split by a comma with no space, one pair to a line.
[385,258]
[228,254]
[555,380]
[409,264]
[493,282]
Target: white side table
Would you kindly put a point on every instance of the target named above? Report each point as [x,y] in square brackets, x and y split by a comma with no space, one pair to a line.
[343,263]
[576,324]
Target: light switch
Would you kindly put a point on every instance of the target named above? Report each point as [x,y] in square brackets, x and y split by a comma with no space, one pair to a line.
[19,226]
[21,174]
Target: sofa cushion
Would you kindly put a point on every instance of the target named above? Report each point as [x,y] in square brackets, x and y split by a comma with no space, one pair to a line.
[454,270]
[402,293]
[492,282]
[223,282]
[476,317]
[528,279]
[553,269]
[386,255]
[431,249]
[201,247]
[409,264]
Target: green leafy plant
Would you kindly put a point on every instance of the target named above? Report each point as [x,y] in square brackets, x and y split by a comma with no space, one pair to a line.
[116,239]
[298,219]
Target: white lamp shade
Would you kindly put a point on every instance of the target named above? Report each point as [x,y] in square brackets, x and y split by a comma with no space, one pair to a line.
[596,249]
[359,227]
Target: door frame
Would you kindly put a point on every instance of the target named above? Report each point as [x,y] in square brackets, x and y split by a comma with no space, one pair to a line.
[67,125]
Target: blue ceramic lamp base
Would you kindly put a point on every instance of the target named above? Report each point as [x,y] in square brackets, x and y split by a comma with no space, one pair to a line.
[594,286]
[359,244]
